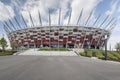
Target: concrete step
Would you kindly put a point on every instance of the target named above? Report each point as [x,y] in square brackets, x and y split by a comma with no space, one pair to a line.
[48,53]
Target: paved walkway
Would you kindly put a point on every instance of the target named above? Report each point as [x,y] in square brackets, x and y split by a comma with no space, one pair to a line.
[47,53]
[57,68]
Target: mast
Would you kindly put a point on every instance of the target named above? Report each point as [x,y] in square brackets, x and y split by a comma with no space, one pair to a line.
[17,23]
[31,19]
[50,29]
[12,25]
[102,33]
[24,21]
[86,28]
[69,18]
[80,16]
[67,28]
[59,17]
[89,17]
[96,19]
[40,18]
[25,29]
[40,21]
[59,25]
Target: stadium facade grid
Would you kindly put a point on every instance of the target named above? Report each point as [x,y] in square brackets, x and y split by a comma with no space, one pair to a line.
[60,36]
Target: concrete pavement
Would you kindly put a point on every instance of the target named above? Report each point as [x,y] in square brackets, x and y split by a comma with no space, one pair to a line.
[57,68]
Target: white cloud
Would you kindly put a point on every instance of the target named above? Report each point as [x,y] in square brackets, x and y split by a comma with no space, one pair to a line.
[65,5]
[113,40]
[119,9]
[115,34]
[113,7]
[87,5]
[43,6]
[6,12]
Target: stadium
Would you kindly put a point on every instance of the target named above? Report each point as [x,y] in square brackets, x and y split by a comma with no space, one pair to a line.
[57,36]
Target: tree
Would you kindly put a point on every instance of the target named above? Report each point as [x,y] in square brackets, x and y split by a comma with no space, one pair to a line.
[117,46]
[13,45]
[3,44]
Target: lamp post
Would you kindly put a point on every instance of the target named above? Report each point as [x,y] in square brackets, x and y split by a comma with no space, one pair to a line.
[105,53]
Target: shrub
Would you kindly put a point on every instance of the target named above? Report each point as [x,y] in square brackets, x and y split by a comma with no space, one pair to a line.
[53,49]
[7,53]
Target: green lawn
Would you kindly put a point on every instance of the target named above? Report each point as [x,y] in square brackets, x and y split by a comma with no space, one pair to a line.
[53,49]
[7,53]
[111,55]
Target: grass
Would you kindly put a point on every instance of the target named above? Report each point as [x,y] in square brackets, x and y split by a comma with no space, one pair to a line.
[99,54]
[53,49]
[6,53]
[111,55]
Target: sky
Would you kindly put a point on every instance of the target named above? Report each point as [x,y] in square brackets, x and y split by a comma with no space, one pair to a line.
[14,8]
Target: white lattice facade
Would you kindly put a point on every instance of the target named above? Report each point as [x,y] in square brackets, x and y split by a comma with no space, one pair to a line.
[59,36]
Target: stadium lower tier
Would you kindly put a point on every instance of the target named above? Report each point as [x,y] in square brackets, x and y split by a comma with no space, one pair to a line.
[58,46]
[59,36]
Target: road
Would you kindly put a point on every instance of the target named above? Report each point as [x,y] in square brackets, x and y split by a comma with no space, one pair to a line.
[57,68]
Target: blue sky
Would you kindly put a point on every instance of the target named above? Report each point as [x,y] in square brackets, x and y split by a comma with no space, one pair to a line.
[13,8]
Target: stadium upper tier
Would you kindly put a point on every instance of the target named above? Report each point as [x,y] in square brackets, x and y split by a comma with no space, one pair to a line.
[59,36]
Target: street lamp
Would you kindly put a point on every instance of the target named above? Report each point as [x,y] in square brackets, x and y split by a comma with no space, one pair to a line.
[105,53]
